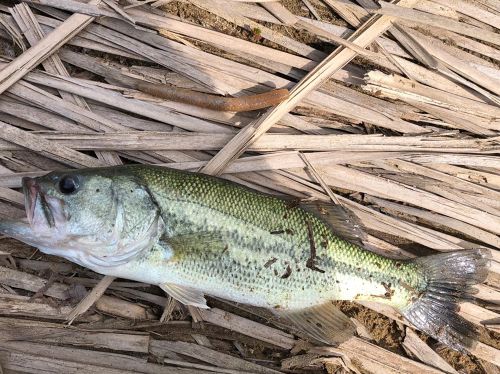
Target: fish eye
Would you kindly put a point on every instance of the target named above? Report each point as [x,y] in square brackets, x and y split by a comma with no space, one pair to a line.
[69,184]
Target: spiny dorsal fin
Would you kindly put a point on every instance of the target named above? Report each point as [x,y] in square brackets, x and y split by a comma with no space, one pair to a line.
[185,295]
[324,323]
[343,223]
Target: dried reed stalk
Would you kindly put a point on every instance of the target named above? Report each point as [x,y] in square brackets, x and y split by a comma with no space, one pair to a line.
[437,185]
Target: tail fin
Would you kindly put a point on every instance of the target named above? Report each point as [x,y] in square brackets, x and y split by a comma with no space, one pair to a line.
[449,277]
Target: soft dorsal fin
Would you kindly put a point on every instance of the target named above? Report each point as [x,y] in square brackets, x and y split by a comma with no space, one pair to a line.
[185,295]
[343,223]
[324,323]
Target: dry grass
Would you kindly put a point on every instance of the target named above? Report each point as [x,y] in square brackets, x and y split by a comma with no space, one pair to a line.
[400,123]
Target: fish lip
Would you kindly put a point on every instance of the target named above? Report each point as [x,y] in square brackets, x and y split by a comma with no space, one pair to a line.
[31,194]
[52,207]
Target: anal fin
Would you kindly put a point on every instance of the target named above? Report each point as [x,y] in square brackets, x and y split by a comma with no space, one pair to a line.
[185,295]
[324,323]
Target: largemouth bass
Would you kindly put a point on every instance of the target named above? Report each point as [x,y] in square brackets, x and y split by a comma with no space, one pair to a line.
[196,235]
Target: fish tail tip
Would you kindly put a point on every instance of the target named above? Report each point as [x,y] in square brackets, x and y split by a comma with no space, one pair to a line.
[449,277]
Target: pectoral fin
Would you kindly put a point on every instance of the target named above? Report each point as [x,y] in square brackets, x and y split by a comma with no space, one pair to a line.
[196,242]
[189,245]
[185,295]
[324,323]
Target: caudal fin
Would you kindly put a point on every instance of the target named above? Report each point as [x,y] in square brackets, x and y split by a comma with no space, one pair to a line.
[449,277]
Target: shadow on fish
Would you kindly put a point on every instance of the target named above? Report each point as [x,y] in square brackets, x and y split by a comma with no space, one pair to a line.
[195,235]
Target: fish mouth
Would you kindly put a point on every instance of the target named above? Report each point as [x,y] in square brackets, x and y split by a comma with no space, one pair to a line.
[52,208]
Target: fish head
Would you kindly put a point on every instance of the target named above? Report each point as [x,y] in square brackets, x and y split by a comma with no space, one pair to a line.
[90,216]
[69,204]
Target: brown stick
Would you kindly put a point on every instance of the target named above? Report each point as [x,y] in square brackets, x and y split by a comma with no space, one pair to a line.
[219,103]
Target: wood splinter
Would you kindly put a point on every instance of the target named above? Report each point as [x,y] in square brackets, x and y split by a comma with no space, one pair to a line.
[214,102]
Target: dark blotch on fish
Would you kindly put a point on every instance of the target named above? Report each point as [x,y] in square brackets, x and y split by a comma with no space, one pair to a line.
[276,232]
[288,272]
[270,262]
[311,261]
[389,292]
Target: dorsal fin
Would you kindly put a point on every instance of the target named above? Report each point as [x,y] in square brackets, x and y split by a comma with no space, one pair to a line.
[343,223]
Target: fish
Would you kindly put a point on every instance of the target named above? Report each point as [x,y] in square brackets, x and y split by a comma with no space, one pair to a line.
[196,235]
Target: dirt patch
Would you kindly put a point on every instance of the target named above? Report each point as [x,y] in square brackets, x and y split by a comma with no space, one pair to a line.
[384,331]
[203,18]
[460,362]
